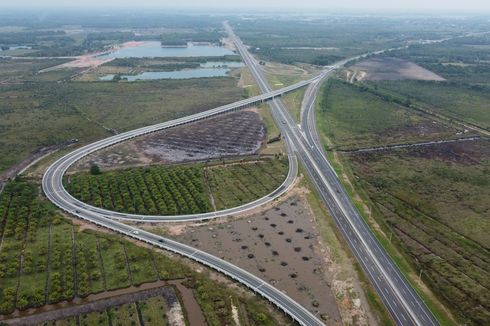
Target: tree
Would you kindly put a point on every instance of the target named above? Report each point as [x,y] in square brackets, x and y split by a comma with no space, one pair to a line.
[95,170]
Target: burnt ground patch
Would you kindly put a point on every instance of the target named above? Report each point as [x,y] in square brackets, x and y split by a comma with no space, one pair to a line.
[234,134]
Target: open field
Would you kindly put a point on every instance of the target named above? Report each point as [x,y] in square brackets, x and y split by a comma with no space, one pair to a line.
[230,135]
[324,40]
[185,189]
[387,68]
[434,201]
[45,259]
[459,101]
[354,118]
[465,59]
[36,115]
[13,71]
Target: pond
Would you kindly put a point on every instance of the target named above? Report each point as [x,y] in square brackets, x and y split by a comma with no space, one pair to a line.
[178,74]
[154,49]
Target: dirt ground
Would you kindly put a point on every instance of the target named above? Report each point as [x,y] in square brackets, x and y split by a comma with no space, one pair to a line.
[386,68]
[282,246]
[91,60]
[233,134]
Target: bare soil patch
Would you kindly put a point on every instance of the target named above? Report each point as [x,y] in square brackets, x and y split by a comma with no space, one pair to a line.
[387,68]
[282,246]
[234,134]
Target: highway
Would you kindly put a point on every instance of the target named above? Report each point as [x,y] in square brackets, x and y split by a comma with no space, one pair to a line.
[52,184]
[404,305]
[402,302]
[53,177]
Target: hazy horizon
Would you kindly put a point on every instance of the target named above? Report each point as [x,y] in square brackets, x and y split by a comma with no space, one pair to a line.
[443,6]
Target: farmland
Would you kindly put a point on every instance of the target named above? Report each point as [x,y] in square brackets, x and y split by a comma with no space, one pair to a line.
[354,118]
[185,189]
[45,259]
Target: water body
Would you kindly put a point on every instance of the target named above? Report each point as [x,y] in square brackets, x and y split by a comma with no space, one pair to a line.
[18,47]
[178,74]
[154,49]
[208,69]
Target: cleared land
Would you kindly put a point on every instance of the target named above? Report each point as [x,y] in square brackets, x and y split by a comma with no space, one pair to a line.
[462,60]
[352,117]
[284,245]
[386,68]
[233,134]
[46,259]
[435,201]
[180,190]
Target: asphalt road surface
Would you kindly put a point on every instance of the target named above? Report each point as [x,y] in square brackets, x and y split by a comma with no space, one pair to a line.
[405,306]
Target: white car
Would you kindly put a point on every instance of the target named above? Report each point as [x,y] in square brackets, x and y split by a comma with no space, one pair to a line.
[136,232]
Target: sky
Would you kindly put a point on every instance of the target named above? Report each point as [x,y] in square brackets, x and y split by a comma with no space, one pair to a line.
[409,5]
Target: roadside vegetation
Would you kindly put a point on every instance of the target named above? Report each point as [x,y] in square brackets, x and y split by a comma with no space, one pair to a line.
[433,202]
[461,102]
[45,258]
[426,204]
[352,117]
[187,189]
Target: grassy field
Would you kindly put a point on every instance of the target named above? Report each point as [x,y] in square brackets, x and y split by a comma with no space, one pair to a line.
[462,102]
[52,260]
[36,115]
[434,203]
[20,70]
[430,202]
[353,118]
[239,184]
[323,41]
[186,189]
[293,101]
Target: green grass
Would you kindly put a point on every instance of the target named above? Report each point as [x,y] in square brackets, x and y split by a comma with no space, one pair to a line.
[293,101]
[141,265]
[94,318]
[238,184]
[153,311]
[124,315]
[39,114]
[115,264]
[353,118]
[458,101]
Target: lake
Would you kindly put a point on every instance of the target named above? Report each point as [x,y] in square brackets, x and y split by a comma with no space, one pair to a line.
[154,49]
[178,74]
